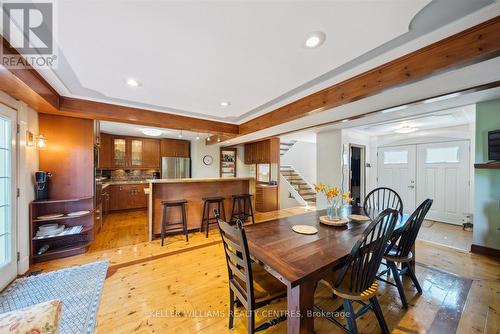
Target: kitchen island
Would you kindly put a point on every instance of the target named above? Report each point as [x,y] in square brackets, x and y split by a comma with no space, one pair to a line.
[193,190]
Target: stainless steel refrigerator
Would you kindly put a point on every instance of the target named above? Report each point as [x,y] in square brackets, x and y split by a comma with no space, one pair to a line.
[175,168]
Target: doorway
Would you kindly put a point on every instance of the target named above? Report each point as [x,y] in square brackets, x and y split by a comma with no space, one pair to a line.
[8,245]
[357,173]
[439,171]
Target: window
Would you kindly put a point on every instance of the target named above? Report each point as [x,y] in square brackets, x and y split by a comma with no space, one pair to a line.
[441,155]
[396,157]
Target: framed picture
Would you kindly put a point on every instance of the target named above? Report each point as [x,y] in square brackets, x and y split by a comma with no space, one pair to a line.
[228,162]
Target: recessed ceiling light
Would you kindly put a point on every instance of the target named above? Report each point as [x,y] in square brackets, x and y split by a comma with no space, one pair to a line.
[208,138]
[133,83]
[441,98]
[345,120]
[315,39]
[180,134]
[225,103]
[406,129]
[394,109]
[152,132]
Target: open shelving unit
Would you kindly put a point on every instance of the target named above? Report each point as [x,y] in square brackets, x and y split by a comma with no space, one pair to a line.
[62,245]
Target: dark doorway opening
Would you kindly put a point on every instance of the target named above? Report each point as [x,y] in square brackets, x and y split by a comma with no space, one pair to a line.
[356,183]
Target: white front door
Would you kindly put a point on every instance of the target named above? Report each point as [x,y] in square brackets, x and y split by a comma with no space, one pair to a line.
[443,175]
[396,170]
[8,250]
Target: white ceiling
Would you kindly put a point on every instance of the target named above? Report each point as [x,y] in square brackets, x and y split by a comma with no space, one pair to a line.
[190,55]
[125,129]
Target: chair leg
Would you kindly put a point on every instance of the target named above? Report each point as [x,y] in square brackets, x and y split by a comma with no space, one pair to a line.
[379,315]
[398,282]
[232,212]
[245,210]
[251,210]
[251,321]
[351,317]
[163,224]
[203,215]
[184,222]
[413,277]
[231,309]
[207,226]
[223,212]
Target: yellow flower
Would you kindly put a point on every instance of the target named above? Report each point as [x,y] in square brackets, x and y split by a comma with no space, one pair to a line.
[320,187]
[347,197]
[332,193]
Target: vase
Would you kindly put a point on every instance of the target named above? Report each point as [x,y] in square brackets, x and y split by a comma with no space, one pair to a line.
[332,211]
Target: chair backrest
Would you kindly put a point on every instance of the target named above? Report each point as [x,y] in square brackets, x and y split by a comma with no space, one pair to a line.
[402,241]
[239,267]
[366,255]
[380,199]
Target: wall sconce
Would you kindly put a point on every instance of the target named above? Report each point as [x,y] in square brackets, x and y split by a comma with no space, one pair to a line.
[30,139]
[41,142]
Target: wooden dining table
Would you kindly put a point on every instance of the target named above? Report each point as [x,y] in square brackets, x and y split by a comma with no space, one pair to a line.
[299,261]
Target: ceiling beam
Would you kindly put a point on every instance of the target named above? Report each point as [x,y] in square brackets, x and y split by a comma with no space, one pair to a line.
[118,113]
[470,46]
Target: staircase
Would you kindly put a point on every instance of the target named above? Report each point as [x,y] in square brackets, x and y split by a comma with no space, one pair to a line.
[302,189]
[285,146]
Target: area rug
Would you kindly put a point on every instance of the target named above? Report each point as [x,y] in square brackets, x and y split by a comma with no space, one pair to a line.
[79,288]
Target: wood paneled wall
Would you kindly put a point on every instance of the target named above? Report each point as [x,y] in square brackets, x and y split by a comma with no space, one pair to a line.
[69,155]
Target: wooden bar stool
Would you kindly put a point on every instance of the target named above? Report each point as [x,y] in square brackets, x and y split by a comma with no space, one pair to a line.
[242,201]
[170,204]
[205,217]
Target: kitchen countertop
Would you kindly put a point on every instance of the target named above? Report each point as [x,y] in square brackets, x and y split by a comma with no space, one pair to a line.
[204,179]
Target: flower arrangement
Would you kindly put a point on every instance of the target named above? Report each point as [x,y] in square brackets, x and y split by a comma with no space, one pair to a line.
[334,197]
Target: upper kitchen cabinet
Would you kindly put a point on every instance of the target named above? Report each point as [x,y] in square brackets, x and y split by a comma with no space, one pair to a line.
[175,148]
[128,152]
[105,155]
[261,152]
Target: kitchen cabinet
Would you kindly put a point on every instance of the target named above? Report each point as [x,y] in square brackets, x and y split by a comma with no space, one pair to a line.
[175,148]
[262,152]
[128,152]
[105,155]
[266,198]
[127,196]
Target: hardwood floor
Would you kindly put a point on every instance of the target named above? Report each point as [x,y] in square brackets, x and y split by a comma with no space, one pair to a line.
[445,234]
[182,288]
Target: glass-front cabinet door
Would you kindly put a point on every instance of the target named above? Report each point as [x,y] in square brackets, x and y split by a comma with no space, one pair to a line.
[120,152]
[136,152]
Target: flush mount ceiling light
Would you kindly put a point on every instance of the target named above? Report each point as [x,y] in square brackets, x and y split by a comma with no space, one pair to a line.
[314,39]
[394,109]
[133,82]
[225,103]
[406,129]
[152,132]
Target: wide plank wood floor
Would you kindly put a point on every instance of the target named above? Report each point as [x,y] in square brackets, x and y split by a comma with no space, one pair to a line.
[182,288]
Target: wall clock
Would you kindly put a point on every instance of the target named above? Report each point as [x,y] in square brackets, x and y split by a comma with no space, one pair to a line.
[208,160]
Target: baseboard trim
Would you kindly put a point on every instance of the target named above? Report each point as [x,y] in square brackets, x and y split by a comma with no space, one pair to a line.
[491,252]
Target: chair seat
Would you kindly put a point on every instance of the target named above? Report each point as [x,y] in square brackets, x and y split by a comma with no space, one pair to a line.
[343,290]
[265,285]
[213,199]
[241,195]
[174,202]
[391,256]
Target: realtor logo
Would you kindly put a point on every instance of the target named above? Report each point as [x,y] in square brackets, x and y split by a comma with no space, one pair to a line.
[29,28]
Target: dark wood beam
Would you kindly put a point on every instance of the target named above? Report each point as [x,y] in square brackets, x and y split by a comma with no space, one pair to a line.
[470,46]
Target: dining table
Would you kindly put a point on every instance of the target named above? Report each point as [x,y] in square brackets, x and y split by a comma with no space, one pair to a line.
[299,261]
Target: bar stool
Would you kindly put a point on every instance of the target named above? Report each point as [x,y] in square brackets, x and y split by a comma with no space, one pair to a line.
[205,217]
[170,204]
[242,200]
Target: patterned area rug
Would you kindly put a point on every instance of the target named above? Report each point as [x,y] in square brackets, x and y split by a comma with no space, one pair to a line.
[79,288]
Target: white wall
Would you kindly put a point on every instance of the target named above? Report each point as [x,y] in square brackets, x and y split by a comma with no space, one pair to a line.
[328,161]
[27,164]
[302,156]
[198,169]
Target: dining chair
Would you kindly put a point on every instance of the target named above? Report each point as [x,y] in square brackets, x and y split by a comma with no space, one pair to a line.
[400,251]
[249,282]
[356,280]
[380,199]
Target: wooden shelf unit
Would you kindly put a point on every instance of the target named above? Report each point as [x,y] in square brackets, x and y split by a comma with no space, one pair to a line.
[64,245]
[491,165]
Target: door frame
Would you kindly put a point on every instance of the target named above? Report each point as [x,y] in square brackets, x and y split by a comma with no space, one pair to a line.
[12,115]
[362,187]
